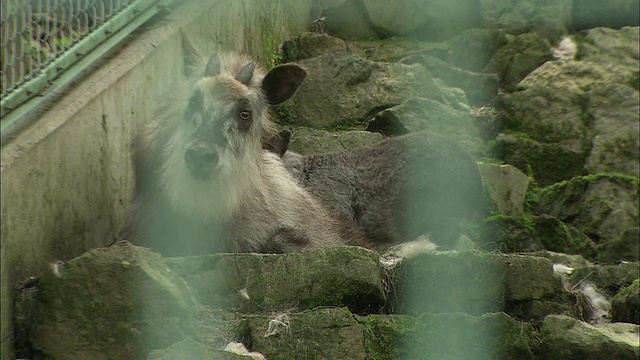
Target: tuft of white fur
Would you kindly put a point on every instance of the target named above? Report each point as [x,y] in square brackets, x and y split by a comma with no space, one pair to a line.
[566,49]
[239,349]
[422,245]
[408,250]
[55,268]
[244,293]
[599,302]
[562,269]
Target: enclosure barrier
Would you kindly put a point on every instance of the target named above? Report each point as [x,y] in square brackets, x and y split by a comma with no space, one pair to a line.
[46,43]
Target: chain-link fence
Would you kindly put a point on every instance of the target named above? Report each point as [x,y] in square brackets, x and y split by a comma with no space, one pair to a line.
[38,34]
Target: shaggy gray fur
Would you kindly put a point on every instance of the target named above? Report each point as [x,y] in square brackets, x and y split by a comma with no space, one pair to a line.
[202,182]
[396,190]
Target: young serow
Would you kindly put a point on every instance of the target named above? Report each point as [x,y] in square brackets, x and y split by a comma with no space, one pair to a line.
[397,190]
[203,184]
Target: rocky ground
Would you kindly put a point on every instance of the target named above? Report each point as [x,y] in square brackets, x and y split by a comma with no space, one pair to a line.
[544,94]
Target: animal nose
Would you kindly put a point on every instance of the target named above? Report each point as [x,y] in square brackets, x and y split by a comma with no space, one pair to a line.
[201,155]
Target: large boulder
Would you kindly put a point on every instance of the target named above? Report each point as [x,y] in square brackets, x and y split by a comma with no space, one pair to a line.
[535,233]
[567,339]
[616,49]
[547,163]
[517,59]
[345,89]
[614,110]
[470,282]
[480,88]
[447,336]
[308,45]
[608,278]
[604,207]
[588,14]
[322,333]
[119,302]
[434,21]
[473,49]
[348,21]
[417,114]
[506,188]
[549,17]
[127,302]
[339,276]
[568,118]
[625,306]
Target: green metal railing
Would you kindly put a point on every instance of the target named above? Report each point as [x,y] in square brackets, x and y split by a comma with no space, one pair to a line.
[46,43]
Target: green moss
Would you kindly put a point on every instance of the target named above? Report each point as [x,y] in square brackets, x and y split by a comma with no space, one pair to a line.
[580,40]
[284,113]
[383,335]
[533,193]
[525,222]
[550,163]
[580,181]
[557,236]
[634,80]
[271,51]
[355,124]
[527,233]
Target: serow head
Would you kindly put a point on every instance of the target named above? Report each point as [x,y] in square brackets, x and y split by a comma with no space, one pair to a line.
[227,115]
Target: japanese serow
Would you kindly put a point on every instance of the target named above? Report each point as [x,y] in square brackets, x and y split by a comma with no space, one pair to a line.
[396,190]
[203,184]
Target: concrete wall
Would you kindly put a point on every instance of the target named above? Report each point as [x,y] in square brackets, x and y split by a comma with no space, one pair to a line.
[66,178]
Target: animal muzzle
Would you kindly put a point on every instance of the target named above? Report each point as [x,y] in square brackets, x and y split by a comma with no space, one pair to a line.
[201,161]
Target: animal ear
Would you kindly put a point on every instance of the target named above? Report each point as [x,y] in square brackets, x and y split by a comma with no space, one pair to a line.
[246,73]
[190,55]
[213,66]
[282,82]
[279,144]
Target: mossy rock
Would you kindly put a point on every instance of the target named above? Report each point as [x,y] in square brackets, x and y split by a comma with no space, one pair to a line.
[471,282]
[308,45]
[343,90]
[447,336]
[506,188]
[546,163]
[517,59]
[117,302]
[420,114]
[625,306]
[610,278]
[323,333]
[341,276]
[602,206]
[548,18]
[565,338]
[573,261]
[473,49]
[535,233]
[384,335]
[480,88]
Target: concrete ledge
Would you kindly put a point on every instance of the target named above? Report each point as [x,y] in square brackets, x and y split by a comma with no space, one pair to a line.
[66,176]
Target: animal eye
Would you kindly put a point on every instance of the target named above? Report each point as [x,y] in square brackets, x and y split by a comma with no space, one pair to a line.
[245,114]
